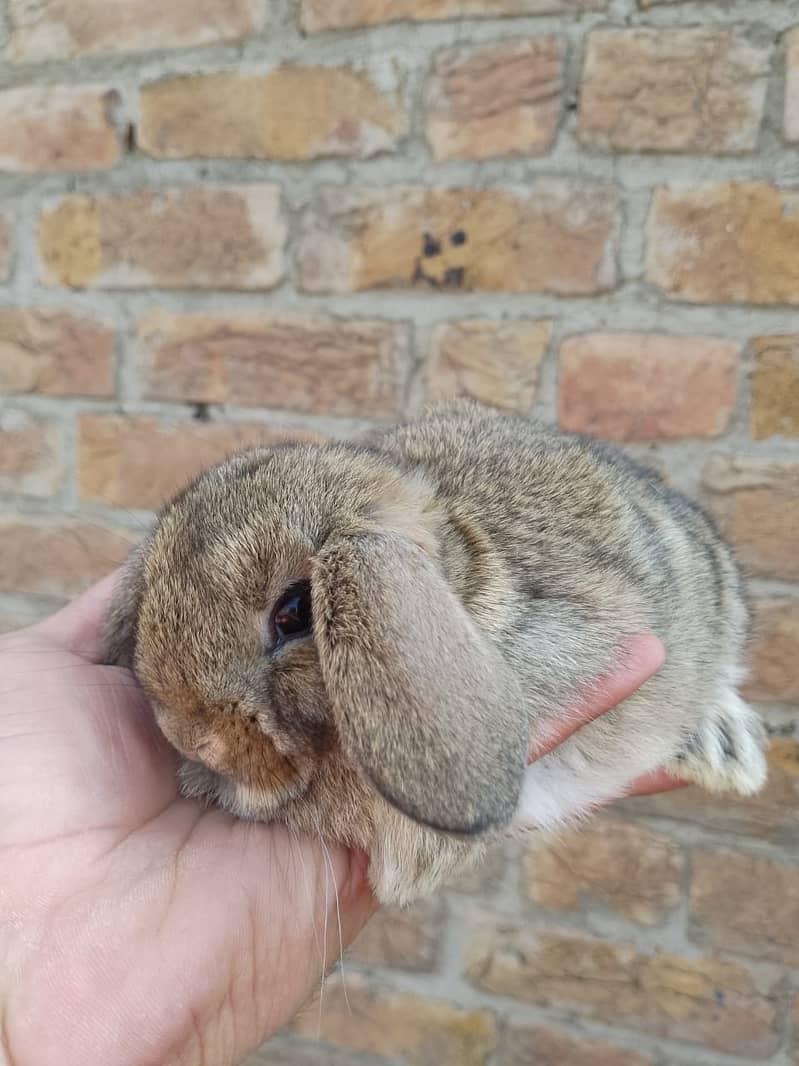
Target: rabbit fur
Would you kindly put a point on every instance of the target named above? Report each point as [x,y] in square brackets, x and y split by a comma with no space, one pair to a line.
[469,574]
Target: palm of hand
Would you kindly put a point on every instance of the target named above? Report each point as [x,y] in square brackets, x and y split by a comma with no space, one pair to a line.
[137,925]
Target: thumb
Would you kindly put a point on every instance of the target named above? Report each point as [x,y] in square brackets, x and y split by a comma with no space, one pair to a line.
[78,627]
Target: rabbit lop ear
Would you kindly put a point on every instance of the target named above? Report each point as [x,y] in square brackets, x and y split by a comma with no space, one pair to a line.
[424,704]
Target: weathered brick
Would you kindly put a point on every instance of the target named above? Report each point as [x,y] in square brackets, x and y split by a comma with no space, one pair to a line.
[406,938]
[317,15]
[292,113]
[774,657]
[773,814]
[55,353]
[683,90]
[58,128]
[728,243]
[504,99]
[718,1004]
[287,1051]
[639,386]
[494,362]
[6,247]
[212,236]
[757,504]
[462,239]
[632,871]
[423,1031]
[57,558]
[31,453]
[775,386]
[307,363]
[58,29]
[745,903]
[141,461]
[792,86]
[485,878]
[543,1045]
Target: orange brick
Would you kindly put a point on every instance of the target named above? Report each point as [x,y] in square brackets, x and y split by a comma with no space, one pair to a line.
[55,353]
[419,1030]
[720,1005]
[317,15]
[639,386]
[641,91]
[775,386]
[59,29]
[774,656]
[59,128]
[757,504]
[407,938]
[543,1045]
[169,237]
[496,363]
[141,461]
[629,869]
[504,99]
[773,814]
[60,557]
[462,239]
[31,453]
[729,243]
[292,113]
[745,903]
[306,363]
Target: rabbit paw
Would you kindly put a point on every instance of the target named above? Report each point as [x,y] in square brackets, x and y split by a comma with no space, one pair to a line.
[726,754]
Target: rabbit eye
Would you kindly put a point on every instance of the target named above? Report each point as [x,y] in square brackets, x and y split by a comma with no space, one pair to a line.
[292,617]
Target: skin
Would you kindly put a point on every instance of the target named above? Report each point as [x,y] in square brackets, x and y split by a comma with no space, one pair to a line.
[135,927]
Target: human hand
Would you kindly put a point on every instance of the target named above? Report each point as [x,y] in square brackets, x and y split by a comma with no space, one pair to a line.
[134,926]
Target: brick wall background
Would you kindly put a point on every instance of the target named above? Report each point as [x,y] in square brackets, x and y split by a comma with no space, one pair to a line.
[229,220]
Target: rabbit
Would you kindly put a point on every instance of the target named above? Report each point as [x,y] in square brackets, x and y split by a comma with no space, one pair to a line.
[363,640]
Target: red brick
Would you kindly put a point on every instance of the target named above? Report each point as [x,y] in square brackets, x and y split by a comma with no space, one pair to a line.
[773,814]
[406,938]
[720,1005]
[58,128]
[503,99]
[55,353]
[462,239]
[31,453]
[418,1030]
[729,243]
[292,113]
[168,237]
[59,29]
[674,90]
[775,386]
[745,903]
[141,461]
[307,363]
[646,386]
[496,363]
[774,657]
[757,505]
[630,870]
[317,15]
[543,1045]
[57,557]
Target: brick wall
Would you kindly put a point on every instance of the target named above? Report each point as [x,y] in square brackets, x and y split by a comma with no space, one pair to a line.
[233,220]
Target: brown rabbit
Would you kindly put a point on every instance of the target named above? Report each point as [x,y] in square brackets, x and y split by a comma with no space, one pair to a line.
[362,640]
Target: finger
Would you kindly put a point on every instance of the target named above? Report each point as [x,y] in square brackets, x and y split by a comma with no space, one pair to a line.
[651,784]
[640,657]
[78,627]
